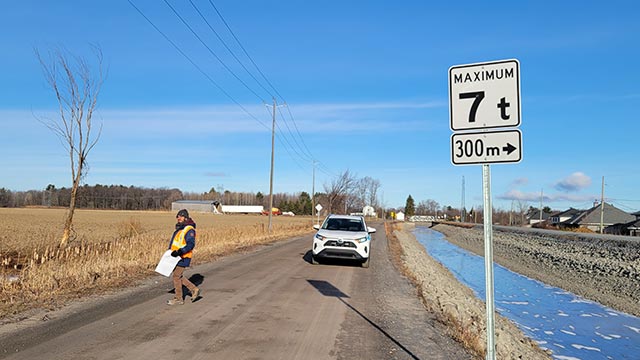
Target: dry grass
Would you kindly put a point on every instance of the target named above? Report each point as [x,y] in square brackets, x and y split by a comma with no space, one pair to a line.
[110,249]
[457,224]
[458,329]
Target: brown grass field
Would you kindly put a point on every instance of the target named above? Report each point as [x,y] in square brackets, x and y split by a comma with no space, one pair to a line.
[110,249]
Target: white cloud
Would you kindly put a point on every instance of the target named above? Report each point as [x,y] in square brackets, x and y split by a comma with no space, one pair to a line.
[573,198]
[519,195]
[574,182]
[535,197]
[225,119]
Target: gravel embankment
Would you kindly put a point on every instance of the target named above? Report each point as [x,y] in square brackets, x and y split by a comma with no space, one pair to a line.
[604,269]
[456,305]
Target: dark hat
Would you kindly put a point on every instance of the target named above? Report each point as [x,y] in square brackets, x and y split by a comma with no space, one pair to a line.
[183,212]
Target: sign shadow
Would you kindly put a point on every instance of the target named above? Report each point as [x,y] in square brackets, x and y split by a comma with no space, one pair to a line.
[327,289]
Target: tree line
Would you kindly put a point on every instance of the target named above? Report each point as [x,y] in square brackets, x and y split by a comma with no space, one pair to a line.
[517,216]
[344,194]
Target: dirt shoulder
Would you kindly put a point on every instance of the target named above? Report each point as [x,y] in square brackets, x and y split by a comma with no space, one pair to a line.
[455,304]
[386,319]
[600,269]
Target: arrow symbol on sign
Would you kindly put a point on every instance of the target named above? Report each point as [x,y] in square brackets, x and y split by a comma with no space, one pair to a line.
[509,148]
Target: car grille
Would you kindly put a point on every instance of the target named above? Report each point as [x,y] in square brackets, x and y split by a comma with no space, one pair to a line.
[344,244]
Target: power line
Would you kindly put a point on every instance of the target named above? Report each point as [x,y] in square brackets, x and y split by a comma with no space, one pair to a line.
[213,53]
[293,138]
[222,62]
[229,49]
[304,153]
[308,152]
[196,65]
[245,50]
[298,131]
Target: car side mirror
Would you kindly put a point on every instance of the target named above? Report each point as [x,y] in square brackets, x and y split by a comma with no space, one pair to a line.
[371,230]
[317,227]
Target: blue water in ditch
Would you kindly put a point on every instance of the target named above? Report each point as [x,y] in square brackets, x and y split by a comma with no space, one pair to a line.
[571,327]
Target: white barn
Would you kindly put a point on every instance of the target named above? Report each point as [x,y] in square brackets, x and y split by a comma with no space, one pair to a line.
[242,209]
[201,206]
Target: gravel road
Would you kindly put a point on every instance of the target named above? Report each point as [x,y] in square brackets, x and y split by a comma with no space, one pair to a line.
[271,303]
[605,269]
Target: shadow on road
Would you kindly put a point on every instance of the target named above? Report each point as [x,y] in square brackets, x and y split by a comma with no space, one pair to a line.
[196,279]
[335,262]
[327,289]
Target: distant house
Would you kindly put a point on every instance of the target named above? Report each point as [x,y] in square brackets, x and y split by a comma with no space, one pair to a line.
[534,217]
[202,206]
[562,216]
[592,218]
[632,228]
[400,216]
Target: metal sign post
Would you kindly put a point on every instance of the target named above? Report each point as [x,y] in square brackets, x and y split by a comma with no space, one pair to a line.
[488,260]
[486,96]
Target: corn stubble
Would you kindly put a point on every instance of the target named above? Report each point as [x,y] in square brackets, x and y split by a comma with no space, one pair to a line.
[109,249]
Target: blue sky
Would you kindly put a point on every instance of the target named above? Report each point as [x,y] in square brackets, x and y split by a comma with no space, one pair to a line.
[366,87]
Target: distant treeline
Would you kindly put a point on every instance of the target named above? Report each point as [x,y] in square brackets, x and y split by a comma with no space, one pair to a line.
[119,197]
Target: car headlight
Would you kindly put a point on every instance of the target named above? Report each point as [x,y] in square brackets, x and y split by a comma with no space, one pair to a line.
[320,237]
[363,239]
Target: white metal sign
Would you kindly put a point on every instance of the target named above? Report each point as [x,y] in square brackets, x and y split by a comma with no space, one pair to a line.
[318,207]
[484,95]
[486,147]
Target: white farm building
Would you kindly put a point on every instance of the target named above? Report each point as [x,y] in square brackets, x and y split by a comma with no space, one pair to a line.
[242,209]
[201,206]
[214,207]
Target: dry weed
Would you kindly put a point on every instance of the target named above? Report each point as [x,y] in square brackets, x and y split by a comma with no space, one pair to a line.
[113,249]
[459,329]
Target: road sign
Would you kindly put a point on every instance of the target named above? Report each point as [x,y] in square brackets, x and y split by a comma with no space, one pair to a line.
[318,207]
[486,147]
[484,95]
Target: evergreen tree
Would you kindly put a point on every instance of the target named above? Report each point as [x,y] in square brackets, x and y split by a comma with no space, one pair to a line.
[410,207]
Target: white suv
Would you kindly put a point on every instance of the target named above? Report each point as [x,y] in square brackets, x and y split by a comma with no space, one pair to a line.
[342,237]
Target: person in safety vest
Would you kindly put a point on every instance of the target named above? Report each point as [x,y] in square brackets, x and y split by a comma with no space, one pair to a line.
[182,243]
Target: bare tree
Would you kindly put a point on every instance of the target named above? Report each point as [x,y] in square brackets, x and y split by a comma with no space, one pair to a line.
[367,189]
[338,191]
[76,88]
[431,207]
[522,210]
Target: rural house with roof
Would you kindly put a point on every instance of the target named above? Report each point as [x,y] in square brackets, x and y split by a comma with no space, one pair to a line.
[591,219]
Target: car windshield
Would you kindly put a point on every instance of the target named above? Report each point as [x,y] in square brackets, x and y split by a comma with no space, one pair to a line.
[344,225]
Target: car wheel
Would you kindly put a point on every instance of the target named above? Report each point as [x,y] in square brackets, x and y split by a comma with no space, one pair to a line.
[365,264]
[314,261]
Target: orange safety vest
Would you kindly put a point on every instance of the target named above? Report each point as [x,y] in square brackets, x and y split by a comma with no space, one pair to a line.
[179,241]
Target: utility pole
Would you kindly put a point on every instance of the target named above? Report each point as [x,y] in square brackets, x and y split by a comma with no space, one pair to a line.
[541,205]
[463,215]
[602,207]
[313,193]
[273,137]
